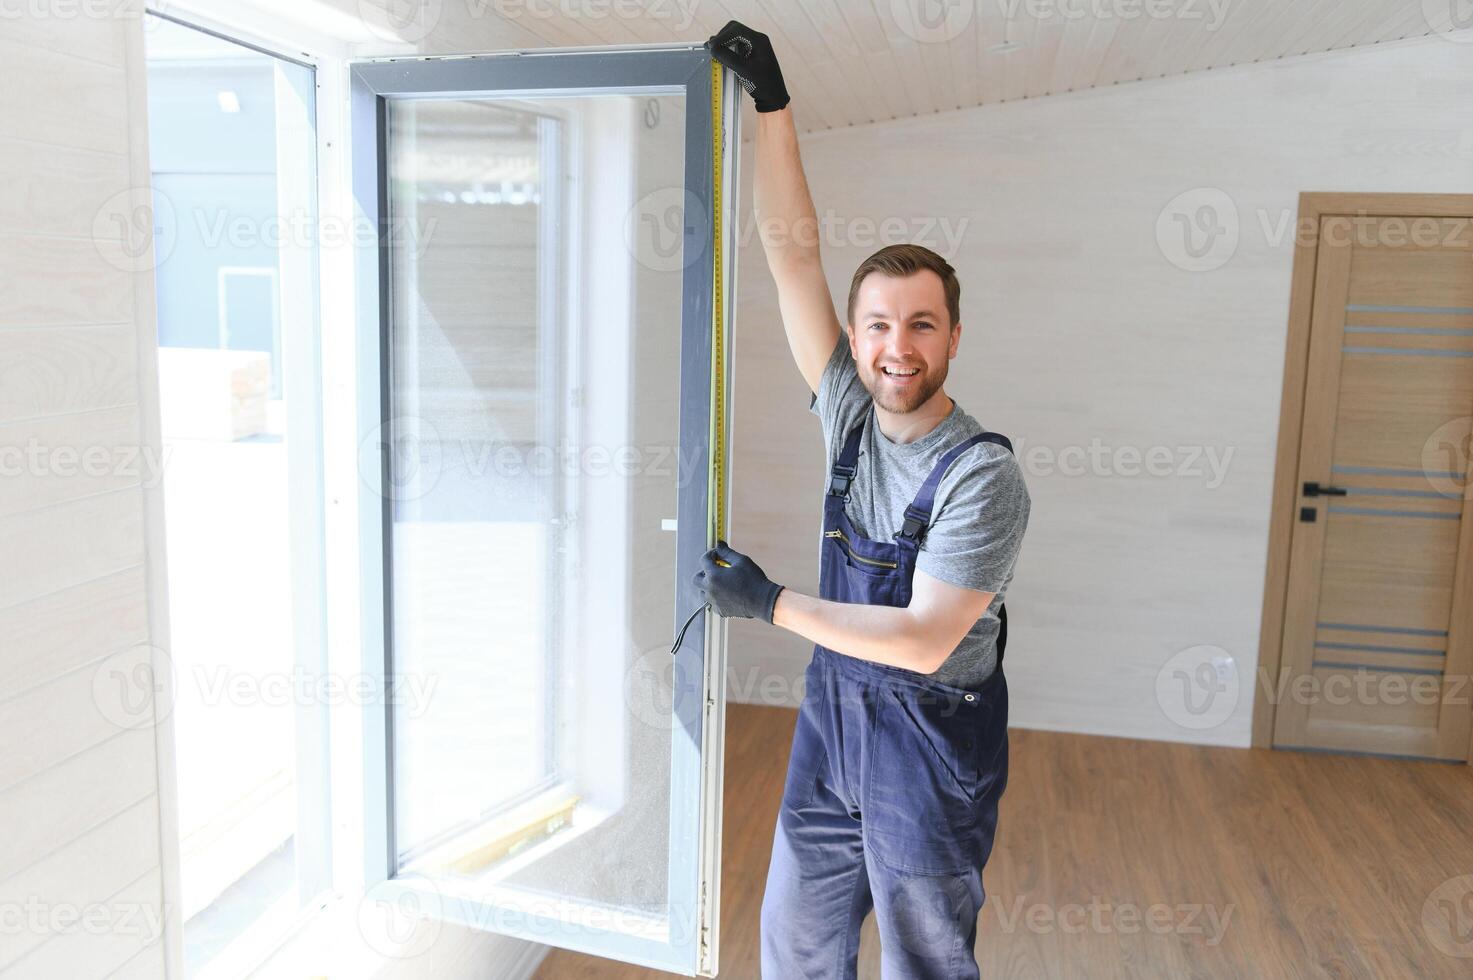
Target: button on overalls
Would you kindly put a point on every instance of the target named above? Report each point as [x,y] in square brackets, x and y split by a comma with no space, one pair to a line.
[893,780]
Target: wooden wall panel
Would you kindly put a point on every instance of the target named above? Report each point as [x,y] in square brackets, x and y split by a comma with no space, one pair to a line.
[79,792]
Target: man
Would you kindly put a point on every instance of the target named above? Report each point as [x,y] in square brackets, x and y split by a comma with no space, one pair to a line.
[899,758]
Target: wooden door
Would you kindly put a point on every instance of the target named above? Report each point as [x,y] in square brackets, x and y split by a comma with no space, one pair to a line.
[1377,641]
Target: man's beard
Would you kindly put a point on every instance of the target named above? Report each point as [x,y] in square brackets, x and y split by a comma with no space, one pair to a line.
[908,399]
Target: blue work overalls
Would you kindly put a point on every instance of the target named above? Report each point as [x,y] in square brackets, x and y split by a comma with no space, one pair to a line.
[893,781]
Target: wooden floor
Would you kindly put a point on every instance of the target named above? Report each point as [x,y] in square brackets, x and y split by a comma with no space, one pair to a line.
[1132,859]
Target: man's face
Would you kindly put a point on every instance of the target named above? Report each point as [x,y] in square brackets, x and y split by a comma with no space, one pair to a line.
[901,324]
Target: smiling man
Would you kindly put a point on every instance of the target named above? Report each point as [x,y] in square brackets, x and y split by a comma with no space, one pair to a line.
[900,754]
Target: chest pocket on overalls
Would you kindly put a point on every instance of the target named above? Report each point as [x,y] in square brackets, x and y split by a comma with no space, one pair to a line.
[855,568]
[863,560]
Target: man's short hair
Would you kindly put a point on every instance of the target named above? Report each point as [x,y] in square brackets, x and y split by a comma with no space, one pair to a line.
[905,260]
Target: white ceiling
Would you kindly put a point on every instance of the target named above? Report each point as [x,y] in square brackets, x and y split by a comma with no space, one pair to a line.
[849,62]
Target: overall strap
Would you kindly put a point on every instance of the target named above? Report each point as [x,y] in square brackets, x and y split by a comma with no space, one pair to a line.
[918,513]
[845,466]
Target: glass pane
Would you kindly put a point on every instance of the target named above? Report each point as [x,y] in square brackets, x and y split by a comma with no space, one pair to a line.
[536,282]
[232,147]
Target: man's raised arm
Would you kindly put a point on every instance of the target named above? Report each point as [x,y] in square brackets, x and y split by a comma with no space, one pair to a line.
[786,219]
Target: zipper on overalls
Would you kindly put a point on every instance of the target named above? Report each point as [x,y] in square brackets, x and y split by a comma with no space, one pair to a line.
[836,533]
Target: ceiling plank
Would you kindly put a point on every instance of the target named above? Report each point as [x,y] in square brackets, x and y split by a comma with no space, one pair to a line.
[1256,43]
[1167,46]
[1188,30]
[940,84]
[578,29]
[967,67]
[1245,22]
[1119,65]
[963,71]
[912,54]
[1015,65]
[1373,25]
[1300,40]
[986,32]
[867,100]
[1072,48]
[813,60]
[891,98]
[853,62]
[1352,21]
[1413,22]
[911,85]
[1045,52]
[1145,54]
[1100,42]
[1190,47]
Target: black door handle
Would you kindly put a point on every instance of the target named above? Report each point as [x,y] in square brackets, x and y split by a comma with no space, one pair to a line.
[1315,490]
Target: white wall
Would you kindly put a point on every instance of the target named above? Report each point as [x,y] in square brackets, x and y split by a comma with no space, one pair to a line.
[1080,330]
[81,588]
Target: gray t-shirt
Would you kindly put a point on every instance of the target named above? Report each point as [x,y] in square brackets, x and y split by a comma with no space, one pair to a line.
[977,521]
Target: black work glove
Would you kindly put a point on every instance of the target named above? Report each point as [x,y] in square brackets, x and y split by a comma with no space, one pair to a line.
[749,55]
[740,588]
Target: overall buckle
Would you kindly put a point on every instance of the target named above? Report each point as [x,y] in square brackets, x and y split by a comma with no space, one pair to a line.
[913,529]
[839,480]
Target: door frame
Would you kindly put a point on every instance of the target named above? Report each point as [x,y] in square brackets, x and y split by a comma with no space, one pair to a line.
[1313,206]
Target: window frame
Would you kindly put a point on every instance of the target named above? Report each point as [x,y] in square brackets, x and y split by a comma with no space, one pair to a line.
[316,867]
[699,715]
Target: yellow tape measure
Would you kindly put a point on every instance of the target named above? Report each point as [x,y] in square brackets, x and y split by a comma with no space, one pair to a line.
[716,503]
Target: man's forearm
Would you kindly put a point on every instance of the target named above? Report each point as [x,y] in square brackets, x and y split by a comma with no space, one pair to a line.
[884,634]
[787,221]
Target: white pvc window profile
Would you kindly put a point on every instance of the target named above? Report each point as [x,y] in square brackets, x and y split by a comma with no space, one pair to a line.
[542,279]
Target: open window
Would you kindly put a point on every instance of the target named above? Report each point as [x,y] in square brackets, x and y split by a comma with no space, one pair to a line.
[543,319]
